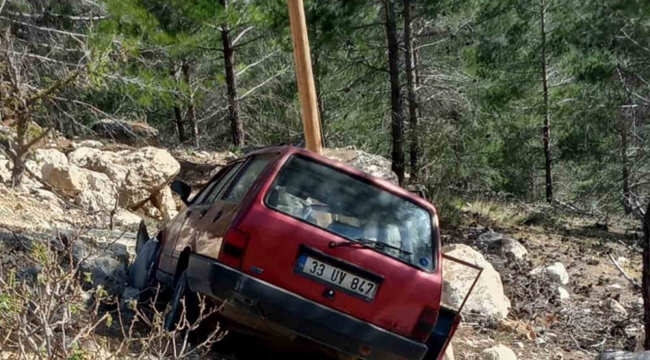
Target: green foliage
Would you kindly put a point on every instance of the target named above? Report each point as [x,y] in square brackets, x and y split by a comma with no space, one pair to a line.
[480,99]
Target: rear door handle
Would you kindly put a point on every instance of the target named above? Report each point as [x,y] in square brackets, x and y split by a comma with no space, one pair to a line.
[202,214]
[216,217]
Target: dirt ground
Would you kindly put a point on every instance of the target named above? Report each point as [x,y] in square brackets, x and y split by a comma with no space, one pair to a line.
[539,325]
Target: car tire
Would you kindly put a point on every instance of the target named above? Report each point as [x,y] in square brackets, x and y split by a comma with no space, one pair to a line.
[181,290]
[142,269]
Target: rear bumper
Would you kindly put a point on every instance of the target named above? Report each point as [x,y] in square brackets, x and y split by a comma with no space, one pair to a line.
[305,317]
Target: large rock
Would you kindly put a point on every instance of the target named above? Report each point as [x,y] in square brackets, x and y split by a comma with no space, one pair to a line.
[106,162]
[558,273]
[487,298]
[373,165]
[5,169]
[489,238]
[40,157]
[449,353]
[126,220]
[137,173]
[149,170]
[100,196]
[499,352]
[69,179]
[164,202]
[106,272]
[513,250]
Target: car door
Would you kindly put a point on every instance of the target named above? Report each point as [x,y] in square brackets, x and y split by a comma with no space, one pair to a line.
[180,231]
[225,205]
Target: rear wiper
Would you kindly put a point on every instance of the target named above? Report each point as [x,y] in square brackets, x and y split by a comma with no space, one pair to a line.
[368,243]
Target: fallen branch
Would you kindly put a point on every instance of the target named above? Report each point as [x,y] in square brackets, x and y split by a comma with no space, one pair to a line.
[263,83]
[625,275]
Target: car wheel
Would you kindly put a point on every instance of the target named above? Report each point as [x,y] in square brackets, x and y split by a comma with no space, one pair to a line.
[142,269]
[181,291]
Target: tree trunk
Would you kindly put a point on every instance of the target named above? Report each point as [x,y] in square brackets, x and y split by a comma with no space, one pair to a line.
[410,85]
[645,279]
[624,130]
[191,113]
[236,124]
[397,126]
[547,116]
[180,124]
[626,166]
[20,151]
[178,113]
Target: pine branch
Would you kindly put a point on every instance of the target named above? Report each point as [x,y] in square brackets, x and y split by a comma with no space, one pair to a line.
[47,92]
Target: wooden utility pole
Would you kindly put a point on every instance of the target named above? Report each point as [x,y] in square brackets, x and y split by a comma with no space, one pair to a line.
[305,77]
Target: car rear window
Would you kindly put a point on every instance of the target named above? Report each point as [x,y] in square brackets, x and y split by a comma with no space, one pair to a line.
[354,209]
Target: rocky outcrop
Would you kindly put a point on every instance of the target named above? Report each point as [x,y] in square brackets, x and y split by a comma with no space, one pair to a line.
[373,165]
[101,182]
[40,157]
[164,201]
[71,180]
[100,195]
[487,298]
[149,170]
[126,220]
[105,162]
[138,173]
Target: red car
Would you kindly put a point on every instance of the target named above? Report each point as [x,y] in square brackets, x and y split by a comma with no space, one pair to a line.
[296,243]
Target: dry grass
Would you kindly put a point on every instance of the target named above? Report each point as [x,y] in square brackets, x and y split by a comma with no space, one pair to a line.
[47,314]
[496,214]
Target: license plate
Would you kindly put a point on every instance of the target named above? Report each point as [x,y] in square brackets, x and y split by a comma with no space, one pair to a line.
[335,276]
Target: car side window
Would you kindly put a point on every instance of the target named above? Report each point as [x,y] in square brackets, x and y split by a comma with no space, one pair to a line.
[204,196]
[200,197]
[223,183]
[246,179]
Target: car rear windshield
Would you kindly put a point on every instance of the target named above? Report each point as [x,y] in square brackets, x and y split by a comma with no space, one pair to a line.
[354,209]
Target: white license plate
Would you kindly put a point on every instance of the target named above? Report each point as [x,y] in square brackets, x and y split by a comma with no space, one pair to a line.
[335,276]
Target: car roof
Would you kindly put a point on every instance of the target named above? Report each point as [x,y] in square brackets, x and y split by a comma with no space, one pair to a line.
[380,183]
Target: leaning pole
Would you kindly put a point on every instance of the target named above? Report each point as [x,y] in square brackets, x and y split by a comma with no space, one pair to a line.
[305,77]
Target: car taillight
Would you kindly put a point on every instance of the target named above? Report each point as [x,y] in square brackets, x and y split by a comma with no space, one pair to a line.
[233,248]
[425,324]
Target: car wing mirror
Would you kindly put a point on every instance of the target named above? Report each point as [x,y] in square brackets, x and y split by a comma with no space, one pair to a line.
[182,189]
